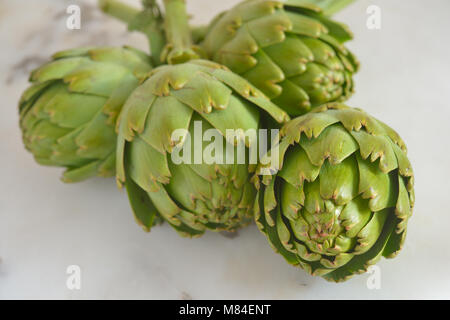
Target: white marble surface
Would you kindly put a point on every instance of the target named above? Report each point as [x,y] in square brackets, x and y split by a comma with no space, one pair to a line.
[46,225]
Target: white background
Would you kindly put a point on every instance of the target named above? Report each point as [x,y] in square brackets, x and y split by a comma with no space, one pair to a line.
[46,225]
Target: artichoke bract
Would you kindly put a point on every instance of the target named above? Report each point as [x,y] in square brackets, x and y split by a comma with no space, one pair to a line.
[191,195]
[343,195]
[68,115]
[287,49]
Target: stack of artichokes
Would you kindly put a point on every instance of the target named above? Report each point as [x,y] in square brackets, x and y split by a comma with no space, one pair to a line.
[333,193]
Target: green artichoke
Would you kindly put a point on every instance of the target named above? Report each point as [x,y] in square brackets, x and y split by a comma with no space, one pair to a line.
[190,196]
[68,114]
[287,49]
[343,196]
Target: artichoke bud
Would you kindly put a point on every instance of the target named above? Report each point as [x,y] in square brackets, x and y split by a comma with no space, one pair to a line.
[68,114]
[289,50]
[343,195]
[174,148]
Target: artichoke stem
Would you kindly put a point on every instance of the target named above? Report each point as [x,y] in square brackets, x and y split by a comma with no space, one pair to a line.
[179,48]
[151,29]
[118,10]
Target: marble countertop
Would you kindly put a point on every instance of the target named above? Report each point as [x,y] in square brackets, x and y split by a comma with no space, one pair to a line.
[46,226]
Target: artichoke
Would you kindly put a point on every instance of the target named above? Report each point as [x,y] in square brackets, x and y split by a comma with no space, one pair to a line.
[190,96]
[288,49]
[68,114]
[343,196]
[191,196]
